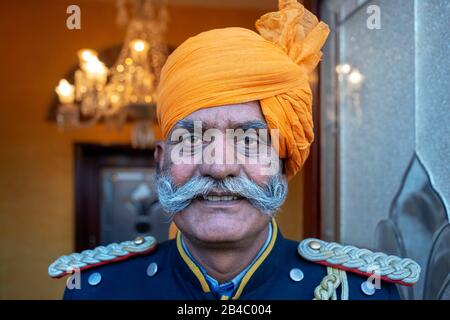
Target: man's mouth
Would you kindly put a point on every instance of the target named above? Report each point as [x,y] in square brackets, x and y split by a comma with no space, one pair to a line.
[216,197]
[219,198]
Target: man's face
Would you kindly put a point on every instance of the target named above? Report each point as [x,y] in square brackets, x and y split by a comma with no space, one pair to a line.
[228,220]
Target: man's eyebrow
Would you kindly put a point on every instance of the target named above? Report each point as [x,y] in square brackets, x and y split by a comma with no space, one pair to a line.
[253,124]
[187,124]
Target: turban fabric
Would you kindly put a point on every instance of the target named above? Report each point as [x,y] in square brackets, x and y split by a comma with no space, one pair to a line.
[237,65]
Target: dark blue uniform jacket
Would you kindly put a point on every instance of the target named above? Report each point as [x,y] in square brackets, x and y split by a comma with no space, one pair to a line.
[178,277]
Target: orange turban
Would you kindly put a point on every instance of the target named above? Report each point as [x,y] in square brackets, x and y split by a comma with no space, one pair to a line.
[237,65]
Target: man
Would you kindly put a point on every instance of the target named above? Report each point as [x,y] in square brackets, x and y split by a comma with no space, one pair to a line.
[235,110]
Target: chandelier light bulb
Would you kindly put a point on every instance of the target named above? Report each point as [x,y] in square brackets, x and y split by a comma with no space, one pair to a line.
[85,55]
[65,91]
[95,69]
[139,45]
[128,61]
[120,68]
[114,98]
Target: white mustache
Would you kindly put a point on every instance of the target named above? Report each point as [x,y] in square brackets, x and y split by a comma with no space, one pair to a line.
[268,198]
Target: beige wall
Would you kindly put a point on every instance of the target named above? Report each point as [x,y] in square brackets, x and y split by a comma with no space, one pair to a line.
[36,161]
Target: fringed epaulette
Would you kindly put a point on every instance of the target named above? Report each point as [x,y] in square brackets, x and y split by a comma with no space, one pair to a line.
[389,268]
[101,255]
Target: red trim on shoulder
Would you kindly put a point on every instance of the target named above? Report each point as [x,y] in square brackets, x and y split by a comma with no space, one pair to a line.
[89,266]
[384,278]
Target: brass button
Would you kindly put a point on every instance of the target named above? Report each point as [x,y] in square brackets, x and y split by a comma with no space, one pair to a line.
[315,245]
[94,279]
[368,288]
[296,274]
[139,240]
[152,269]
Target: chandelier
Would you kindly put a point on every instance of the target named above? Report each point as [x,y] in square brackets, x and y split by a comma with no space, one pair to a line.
[126,90]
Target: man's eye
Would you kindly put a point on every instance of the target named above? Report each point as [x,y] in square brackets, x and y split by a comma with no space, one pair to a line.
[248,142]
[190,140]
[251,142]
[248,145]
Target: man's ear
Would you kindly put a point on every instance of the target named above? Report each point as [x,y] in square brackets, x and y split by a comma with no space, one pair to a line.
[159,155]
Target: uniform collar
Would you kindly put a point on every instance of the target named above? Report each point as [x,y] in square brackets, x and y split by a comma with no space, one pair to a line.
[248,273]
[228,288]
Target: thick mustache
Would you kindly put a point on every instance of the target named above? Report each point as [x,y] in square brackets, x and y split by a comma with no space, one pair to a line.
[267,198]
[217,188]
[203,186]
[198,187]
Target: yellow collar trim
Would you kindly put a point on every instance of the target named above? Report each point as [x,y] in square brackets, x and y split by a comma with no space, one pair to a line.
[258,262]
[205,287]
[191,264]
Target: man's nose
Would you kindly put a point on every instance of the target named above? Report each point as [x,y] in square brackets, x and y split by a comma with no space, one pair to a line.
[219,171]
[219,166]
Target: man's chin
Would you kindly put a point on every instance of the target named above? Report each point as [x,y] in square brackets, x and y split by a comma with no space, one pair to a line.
[218,240]
[218,223]
[219,229]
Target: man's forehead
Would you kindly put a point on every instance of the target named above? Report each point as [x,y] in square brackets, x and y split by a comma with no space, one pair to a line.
[227,117]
